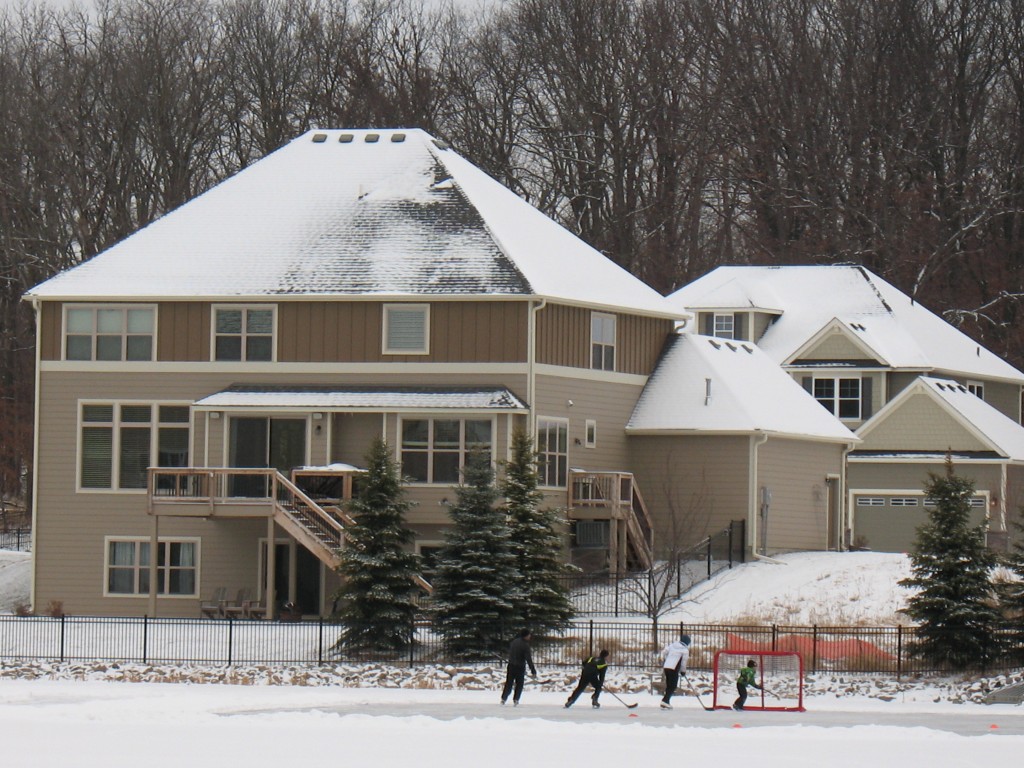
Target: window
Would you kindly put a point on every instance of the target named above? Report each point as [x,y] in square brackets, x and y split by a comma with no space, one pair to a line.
[903,501]
[841,397]
[977,501]
[406,329]
[243,333]
[553,450]
[127,567]
[108,333]
[435,450]
[591,533]
[590,440]
[724,327]
[602,341]
[870,501]
[977,389]
[119,440]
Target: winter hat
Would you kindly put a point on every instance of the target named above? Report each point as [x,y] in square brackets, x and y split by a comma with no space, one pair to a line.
[684,639]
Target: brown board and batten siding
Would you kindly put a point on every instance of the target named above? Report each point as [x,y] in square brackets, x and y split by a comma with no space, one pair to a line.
[460,331]
[563,338]
[183,331]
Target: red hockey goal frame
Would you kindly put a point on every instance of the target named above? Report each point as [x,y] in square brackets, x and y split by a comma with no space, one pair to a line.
[781,670]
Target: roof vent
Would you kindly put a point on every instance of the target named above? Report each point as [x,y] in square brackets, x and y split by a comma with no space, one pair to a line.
[441,144]
[397,138]
[714,344]
[345,138]
[372,138]
[319,138]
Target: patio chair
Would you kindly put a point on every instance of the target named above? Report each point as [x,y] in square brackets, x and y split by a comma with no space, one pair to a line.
[254,609]
[236,609]
[214,607]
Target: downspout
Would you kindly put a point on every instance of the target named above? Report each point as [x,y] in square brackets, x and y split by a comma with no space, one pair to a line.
[753,494]
[846,508]
[531,362]
[1002,499]
[34,301]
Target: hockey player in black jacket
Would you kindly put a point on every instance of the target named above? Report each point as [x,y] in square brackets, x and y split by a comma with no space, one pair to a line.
[519,656]
[593,671]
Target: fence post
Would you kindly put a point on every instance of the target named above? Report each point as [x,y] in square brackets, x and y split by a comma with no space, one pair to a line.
[590,643]
[62,629]
[320,643]
[412,639]
[231,638]
[899,651]
[616,580]
[775,637]
[709,557]
[145,638]
[814,649]
[730,544]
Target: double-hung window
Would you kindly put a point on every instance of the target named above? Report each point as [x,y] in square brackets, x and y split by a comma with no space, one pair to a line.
[118,442]
[602,341]
[128,564]
[553,452]
[109,333]
[435,450]
[243,333]
[406,329]
[841,397]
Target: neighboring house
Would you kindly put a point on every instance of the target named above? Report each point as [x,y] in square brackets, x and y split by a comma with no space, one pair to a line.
[721,433]
[212,383]
[855,343]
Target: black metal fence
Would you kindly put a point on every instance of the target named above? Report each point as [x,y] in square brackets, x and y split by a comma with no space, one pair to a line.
[649,593]
[633,645]
[18,539]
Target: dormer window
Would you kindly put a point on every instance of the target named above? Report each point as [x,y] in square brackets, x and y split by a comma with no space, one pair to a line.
[977,389]
[724,326]
[839,396]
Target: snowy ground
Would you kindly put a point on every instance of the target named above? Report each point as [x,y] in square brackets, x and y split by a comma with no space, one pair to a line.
[91,715]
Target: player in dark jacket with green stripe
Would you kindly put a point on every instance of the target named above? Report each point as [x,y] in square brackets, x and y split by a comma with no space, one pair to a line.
[593,671]
[748,677]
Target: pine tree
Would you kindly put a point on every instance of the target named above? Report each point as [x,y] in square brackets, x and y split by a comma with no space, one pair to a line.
[376,596]
[1011,597]
[474,586]
[544,602]
[951,566]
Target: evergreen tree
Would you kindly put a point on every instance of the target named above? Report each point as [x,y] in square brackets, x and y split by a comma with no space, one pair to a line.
[474,586]
[951,567]
[544,601]
[1011,597]
[376,595]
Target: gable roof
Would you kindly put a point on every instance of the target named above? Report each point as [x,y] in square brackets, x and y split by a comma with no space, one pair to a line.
[991,427]
[901,332]
[748,393]
[357,213]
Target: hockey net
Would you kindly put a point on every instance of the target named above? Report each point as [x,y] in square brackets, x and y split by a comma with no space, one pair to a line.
[779,673]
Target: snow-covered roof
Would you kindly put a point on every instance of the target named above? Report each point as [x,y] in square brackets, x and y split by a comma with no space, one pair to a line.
[351,213]
[719,386]
[992,427]
[896,329]
[363,398]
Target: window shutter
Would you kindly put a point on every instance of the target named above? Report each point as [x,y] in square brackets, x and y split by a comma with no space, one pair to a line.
[808,383]
[709,324]
[738,331]
[865,398]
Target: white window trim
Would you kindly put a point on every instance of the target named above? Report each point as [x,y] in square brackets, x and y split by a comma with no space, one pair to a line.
[732,325]
[587,442]
[835,379]
[196,540]
[431,418]
[536,432]
[426,329]
[124,347]
[614,343]
[154,440]
[977,388]
[244,307]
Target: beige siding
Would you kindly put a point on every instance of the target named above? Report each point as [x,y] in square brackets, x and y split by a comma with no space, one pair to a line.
[835,346]
[563,338]
[898,381]
[693,486]
[919,423]
[762,322]
[795,472]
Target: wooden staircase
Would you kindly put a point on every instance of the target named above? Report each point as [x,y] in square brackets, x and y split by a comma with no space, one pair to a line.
[615,498]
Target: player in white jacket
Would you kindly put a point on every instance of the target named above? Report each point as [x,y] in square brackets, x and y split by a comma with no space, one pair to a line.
[674,657]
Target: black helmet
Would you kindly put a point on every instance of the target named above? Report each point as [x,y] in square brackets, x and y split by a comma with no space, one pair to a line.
[684,639]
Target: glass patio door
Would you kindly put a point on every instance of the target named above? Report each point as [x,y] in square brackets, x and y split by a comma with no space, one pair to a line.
[264,441]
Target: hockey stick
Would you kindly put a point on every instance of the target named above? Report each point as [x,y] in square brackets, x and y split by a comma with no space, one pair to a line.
[772,693]
[699,700]
[627,705]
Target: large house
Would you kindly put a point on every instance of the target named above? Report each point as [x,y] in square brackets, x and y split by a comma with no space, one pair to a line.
[208,388]
[913,388]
